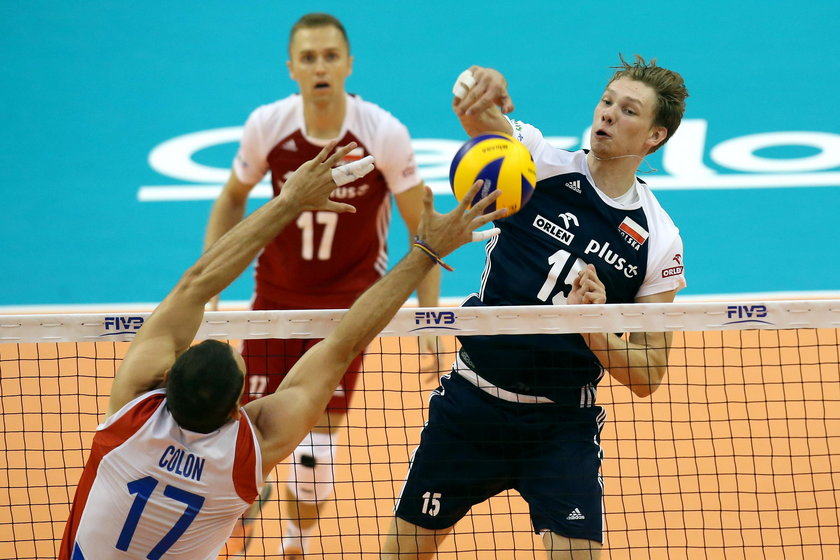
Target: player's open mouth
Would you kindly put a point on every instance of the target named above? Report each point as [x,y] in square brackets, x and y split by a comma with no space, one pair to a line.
[601,134]
[322,85]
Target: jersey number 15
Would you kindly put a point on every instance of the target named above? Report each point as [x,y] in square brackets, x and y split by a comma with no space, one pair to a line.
[560,264]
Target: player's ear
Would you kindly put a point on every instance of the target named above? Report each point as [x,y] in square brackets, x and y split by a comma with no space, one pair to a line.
[657,136]
[289,68]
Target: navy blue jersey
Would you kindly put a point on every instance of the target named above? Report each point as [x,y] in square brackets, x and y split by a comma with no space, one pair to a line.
[567,224]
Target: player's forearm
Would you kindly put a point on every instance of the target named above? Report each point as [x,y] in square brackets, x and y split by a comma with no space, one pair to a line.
[229,255]
[484,122]
[428,291]
[641,367]
[375,308]
[365,319]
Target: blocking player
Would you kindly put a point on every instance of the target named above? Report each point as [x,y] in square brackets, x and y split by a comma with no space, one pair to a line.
[177,460]
[520,411]
[325,260]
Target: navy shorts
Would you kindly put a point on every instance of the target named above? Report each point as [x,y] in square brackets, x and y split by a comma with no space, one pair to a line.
[476,445]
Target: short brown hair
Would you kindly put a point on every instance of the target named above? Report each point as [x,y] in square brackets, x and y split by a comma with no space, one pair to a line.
[669,87]
[204,386]
[317,19]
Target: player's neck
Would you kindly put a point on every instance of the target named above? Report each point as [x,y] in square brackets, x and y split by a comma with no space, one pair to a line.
[613,176]
[324,118]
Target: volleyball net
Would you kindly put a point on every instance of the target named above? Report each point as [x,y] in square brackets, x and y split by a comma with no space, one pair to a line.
[736,455]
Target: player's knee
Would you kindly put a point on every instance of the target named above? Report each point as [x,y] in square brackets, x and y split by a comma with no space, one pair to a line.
[311,476]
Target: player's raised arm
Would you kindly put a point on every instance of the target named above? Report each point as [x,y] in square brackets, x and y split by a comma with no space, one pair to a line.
[283,418]
[481,101]
[227,211]
[173,325]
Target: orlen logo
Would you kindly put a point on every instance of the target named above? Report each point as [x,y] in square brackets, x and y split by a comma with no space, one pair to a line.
[746,314]
[674,270]
[434,320]
[122,325]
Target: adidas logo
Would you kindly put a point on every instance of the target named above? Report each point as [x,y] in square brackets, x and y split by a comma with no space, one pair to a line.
[575,515]
[574,185]
[290,146]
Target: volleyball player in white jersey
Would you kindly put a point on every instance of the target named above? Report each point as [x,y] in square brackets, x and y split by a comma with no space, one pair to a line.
[177,460]
[520,412]
[325,260]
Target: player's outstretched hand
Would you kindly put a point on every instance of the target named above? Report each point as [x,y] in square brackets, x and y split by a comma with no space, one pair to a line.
[587,288]
[310,186]
[479,89]
[446,232]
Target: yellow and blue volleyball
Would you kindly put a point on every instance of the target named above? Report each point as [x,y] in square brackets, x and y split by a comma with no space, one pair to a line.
[503,163]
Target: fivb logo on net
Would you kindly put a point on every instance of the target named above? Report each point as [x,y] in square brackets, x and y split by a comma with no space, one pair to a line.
[747,314]
[739,161]
[435,320]
[122,324]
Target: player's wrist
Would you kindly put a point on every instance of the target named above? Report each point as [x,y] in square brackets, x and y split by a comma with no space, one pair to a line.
[421,246]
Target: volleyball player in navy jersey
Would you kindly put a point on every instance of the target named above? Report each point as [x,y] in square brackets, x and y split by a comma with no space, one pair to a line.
[519,412]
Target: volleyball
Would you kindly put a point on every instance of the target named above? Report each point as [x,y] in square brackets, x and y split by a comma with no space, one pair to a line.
[503,163]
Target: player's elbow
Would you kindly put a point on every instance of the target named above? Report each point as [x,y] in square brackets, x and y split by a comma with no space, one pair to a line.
[651,381]
[193,285]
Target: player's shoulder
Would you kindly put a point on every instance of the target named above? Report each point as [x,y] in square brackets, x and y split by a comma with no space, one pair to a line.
[369,113]
[137,410]
[276,110]
[657,216]
[553,161]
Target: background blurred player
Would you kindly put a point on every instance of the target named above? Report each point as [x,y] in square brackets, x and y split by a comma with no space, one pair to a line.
[177,460]
[327,259]
[519,412]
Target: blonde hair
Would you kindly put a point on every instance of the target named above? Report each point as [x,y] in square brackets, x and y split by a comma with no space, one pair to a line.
[669,88]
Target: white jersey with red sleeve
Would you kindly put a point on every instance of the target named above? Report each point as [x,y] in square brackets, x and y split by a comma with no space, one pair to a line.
[324,259]
[151,489]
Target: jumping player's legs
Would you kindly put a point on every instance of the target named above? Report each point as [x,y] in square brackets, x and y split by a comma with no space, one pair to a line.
[461,461]
[561,480]
[564,548]
[406,541]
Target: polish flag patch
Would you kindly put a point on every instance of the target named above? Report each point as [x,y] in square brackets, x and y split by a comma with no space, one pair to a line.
[634,230]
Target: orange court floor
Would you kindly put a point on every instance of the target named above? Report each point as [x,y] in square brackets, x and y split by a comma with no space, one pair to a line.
[736,456]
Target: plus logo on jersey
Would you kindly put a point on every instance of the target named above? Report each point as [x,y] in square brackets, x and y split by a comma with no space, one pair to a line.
[561,234]
[611,258]
[634,234]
